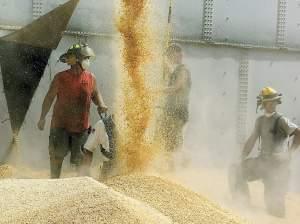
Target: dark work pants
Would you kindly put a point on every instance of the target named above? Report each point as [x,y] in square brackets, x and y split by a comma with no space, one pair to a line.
[61,143]
[274,173]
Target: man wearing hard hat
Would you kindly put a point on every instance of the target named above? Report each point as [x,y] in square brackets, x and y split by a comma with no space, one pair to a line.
[74,89]
[273,132]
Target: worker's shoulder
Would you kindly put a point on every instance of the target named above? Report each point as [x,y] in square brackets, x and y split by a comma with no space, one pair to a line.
[283,120]
[61,74]
[182,66]
[87,72]
[277,116]
[260,118]
[58,77]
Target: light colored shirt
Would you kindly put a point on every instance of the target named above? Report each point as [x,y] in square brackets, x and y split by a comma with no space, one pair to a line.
[97,137]
[269,143]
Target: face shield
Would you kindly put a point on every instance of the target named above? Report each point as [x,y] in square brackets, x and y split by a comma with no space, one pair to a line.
[85,63]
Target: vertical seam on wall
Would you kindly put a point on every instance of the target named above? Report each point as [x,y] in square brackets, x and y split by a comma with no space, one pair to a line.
[37,9]
[243,98]
[207,24]
[281,23]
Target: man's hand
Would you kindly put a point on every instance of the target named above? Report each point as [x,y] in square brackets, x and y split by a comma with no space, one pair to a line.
[87,157]
[107,154]
[296,140]
[102,109]
[41,124]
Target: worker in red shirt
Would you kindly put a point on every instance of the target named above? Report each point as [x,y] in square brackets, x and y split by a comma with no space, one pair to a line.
[74,89]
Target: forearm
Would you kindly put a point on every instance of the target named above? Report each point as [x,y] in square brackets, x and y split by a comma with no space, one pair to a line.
[296,141]
[248,147]
[98,100]
[246,151]
[46,107]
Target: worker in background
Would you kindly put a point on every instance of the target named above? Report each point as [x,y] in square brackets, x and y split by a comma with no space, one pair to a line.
[273,131]
[74,89]
[176,94]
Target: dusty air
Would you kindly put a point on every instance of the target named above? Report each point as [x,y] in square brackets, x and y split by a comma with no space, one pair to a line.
[149,112]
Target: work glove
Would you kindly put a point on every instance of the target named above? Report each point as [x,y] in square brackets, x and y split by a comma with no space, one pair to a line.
[107,154]
[102,109]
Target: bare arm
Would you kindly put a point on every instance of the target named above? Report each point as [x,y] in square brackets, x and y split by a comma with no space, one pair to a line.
[250,141]
[49,98]
[249,145]
[296,141]
[98,100]
[180,83]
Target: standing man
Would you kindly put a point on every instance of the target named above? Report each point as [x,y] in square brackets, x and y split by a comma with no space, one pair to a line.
[74,89]
[272,165]
[175,113]
[176,110]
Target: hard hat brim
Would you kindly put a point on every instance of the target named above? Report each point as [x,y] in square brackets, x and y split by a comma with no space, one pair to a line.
[63,57]
[272,99]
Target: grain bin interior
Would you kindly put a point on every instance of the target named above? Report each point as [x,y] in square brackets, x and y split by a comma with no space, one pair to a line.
[232,48]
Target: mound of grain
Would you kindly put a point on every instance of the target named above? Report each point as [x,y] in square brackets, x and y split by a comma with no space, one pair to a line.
[174,201]
[6,171]
[74,200]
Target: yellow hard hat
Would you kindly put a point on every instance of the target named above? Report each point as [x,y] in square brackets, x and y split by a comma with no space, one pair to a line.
[268,94]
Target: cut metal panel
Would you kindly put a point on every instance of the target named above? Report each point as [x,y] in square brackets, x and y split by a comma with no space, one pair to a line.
[293,24]
[16,12]
[244,21]
[24,55]
[4,121]
[22,67]
[47,31]
[187,18]
[90,16]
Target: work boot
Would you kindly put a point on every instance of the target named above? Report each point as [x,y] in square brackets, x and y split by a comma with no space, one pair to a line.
[276,210]
[55,167]
[275,204]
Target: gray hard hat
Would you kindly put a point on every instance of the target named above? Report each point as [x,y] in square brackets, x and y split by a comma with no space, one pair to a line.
[79,50]
[86,51]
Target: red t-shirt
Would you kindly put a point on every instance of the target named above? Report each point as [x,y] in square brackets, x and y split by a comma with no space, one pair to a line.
[72,106]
